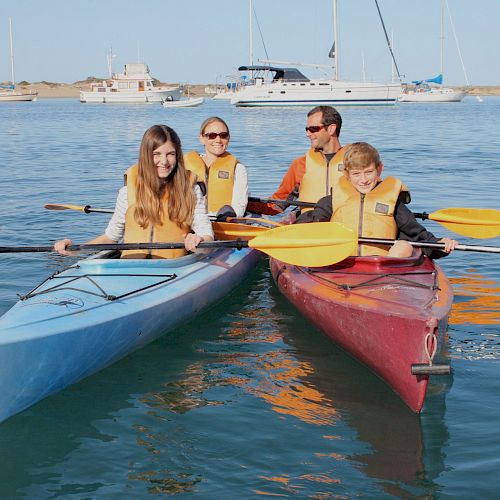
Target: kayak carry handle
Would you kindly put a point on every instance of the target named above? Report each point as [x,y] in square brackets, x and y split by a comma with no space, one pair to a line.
[426,369]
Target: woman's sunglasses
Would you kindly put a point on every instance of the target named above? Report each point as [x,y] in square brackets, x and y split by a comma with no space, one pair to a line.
[214,135]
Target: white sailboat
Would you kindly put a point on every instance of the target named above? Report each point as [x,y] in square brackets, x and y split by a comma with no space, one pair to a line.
[432,90]
[10,92]
[287,86]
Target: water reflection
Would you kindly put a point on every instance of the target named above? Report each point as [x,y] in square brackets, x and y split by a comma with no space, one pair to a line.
[477,299]
[475,316]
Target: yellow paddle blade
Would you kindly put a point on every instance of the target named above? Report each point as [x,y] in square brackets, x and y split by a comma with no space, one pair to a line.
[233,231]
[55,206]
[310,245]
[472,222]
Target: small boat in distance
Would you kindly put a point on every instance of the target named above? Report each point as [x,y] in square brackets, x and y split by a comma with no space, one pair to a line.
[10,92]
[134,85]
[432,90]
[423,92]
[189,102]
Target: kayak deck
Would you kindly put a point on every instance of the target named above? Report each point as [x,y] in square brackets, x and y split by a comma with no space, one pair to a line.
[98,311]
[390,314]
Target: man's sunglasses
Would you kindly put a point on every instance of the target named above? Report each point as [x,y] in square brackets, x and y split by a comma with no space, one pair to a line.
[214,135]
[316,128]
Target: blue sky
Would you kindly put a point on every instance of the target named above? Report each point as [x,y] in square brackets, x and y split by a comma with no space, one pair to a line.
[202,41]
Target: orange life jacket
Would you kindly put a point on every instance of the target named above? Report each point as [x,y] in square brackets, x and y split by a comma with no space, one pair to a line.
[219,177]
[369,215]
[320,177]
[166,232]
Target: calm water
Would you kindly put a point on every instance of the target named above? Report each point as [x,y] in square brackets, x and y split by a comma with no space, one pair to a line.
[249,400]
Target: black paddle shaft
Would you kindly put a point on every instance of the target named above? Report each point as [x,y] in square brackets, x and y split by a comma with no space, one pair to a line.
[238,244]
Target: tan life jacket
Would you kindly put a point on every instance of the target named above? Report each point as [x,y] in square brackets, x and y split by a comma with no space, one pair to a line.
[320,179]
[219,178]
[370,215]
[167,232]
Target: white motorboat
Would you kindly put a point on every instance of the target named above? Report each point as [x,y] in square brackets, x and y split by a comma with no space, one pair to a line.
[10,92]
[189,102]
[134,85]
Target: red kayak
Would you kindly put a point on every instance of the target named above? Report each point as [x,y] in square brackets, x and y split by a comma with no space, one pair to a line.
[389,313]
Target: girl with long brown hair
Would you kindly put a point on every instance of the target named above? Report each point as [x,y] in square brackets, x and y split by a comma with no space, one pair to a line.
[161,201]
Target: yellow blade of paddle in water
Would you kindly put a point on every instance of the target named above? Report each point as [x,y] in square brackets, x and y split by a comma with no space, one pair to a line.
[310,245]
[472,222]
[56,206]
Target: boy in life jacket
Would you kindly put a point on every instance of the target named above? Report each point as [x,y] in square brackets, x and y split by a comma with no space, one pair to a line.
[374,208]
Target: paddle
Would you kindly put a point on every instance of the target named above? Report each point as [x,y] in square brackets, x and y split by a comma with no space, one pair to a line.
[469,248]
[241,228]
[87,208]
[310,245]
[235,228]
[471,222]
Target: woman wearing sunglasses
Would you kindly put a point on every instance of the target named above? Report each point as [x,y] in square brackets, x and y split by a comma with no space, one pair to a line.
[160,202]
[225,177]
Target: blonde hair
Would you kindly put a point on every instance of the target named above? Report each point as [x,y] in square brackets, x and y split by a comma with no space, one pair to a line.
[212,119]
[150,189]
[360,155]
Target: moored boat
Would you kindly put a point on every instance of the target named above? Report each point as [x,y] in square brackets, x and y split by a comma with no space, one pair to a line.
[10,92]
[390,314]
[134,85]
[99,310]
[189,102]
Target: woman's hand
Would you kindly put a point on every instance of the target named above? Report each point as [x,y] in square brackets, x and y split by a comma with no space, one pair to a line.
[61,245]
[449,244]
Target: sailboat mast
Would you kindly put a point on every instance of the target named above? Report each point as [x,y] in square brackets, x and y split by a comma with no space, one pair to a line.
[250,28]
[336,40]
[442,37]
[11,54]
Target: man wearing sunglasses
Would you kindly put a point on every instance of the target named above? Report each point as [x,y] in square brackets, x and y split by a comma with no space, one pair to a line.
[314,175]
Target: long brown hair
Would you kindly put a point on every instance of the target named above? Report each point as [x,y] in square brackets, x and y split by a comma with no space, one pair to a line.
[150,189]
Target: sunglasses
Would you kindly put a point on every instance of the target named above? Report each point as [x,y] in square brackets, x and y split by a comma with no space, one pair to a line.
[214,135]
[316,128]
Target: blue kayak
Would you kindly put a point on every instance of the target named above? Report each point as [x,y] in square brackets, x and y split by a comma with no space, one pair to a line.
[96,312]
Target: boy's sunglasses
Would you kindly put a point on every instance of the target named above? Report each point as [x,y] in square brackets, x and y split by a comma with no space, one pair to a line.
[316,128]
[214,135]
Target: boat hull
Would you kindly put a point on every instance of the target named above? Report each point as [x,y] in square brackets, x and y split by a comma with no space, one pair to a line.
[434,95]
[386,313]
[317,92]
[80,321]
[18,96]
[190,102]
[120,97]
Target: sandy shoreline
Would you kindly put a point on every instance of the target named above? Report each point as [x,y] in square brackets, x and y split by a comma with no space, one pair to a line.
[72,91]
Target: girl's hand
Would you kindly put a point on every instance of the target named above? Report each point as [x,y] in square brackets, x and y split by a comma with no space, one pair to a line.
[449,244]
[191,241]
[61,245]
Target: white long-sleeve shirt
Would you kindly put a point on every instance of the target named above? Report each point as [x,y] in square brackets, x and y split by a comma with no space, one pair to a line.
[201,224]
